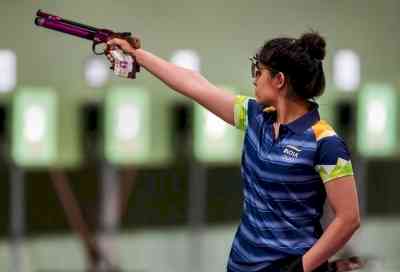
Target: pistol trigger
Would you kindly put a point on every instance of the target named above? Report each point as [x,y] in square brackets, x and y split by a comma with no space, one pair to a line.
[94,48]
[99,52]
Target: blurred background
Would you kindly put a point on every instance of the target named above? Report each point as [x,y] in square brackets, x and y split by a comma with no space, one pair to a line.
[98,171]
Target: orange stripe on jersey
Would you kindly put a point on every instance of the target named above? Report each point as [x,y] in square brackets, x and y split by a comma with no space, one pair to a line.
[322,129]
[269,109]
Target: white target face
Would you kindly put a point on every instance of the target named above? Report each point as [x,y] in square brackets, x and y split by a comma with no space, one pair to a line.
[8,70]
[96,72]
[34,124]
[186,58]
[128,122]
[376,118]
[215,127]
[346,70]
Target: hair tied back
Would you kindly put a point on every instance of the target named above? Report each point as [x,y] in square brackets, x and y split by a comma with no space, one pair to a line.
[314,44]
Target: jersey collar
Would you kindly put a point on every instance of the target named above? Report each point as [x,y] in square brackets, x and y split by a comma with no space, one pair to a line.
[302,123]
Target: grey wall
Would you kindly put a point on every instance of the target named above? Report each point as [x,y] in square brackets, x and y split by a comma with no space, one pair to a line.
[225,33]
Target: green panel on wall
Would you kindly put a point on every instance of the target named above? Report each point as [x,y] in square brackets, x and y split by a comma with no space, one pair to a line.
[127,115]
[377,128]
[34,127]
[327,106]
[215,141]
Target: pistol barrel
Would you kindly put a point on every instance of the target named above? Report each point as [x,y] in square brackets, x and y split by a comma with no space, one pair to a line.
[59,24]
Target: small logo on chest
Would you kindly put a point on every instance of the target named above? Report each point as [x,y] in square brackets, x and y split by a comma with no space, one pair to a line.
[290,153]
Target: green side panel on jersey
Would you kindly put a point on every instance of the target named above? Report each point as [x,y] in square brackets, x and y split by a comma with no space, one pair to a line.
[215,141]
[34,127]
[377,129]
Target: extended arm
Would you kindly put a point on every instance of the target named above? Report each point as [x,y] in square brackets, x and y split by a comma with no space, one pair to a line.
[184,81]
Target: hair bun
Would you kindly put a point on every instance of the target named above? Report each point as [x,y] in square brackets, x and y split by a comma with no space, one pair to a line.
[314,44]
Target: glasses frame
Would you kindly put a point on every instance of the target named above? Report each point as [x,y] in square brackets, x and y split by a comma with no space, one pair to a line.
[256,69]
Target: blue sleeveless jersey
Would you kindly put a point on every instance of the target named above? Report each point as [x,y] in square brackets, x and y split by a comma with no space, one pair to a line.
[283,182]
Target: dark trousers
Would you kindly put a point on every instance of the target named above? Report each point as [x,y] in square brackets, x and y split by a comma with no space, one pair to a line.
[283,265]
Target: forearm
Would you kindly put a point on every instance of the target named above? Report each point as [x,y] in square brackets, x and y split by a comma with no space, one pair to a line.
[189,83]
[179,79]
[333,239]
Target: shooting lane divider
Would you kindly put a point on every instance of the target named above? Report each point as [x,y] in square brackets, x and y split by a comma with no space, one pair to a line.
[73,212]
[75,219]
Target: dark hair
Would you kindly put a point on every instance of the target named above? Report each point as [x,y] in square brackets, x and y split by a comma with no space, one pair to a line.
[300,60]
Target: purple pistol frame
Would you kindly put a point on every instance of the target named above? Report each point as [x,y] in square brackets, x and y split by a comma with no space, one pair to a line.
[98,36]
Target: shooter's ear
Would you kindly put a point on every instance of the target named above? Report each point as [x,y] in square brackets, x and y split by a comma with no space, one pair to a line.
[280,79]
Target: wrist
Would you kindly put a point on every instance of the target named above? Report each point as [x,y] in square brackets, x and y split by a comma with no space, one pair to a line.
[132,52]
[135,54]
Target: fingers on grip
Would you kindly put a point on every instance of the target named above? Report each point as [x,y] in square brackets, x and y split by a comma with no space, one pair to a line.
[134,42]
